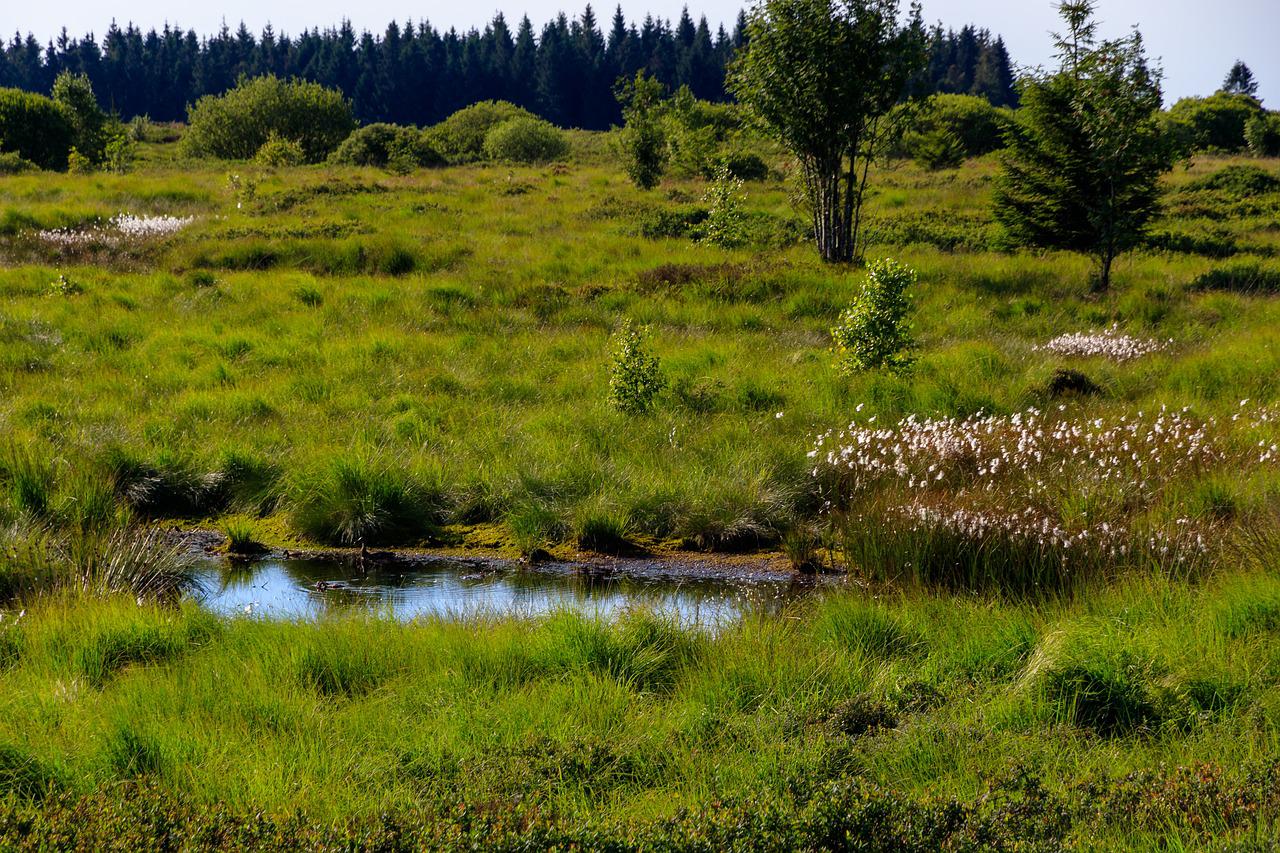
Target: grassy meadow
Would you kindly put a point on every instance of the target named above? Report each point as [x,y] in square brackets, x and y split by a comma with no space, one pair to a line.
[343,356]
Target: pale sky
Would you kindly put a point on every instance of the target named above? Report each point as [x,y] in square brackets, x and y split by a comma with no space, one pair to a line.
[1197,41]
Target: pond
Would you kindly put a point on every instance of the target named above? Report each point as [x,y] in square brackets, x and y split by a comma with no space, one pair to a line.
[309,589]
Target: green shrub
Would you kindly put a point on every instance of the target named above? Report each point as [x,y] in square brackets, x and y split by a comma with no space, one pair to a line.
[120,151]
[635,375]
[1237,181]
[1262,134]
[746,166]
[15,164]
[237,124]
[726,223]
[277,152]
[461,136]
[1216,122]
[35,128]
[526,140]
[874,333]
[382,145]
[961,125]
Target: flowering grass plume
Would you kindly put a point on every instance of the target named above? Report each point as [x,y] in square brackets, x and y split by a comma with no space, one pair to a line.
[120,229]
[1032,498]
[1109,343]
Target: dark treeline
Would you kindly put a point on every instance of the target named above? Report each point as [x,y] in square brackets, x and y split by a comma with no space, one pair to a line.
[416,74]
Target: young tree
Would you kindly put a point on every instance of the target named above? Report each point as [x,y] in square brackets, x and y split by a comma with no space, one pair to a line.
[1240,81]
[74,93]
[820,76]
[1085,153]
[642,140]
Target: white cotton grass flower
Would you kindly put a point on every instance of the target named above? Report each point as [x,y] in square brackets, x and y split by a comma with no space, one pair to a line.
[119,229]
[1109,343]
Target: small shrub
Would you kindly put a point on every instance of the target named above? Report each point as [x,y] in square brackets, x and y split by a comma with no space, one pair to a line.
[726,224]
[746,167]
[79,164]
[939,148]
[1066,382]
[12,163]
[277,152]
[237,124]
[954,127]
[874,333]
[860,715]
[74,94]
[120,151]
[681,222]
[526,140]
[635,375]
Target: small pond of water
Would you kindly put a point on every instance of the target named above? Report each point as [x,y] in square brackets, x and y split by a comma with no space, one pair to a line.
[311,589]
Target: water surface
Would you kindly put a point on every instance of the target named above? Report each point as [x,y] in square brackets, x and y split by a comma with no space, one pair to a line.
[311,589]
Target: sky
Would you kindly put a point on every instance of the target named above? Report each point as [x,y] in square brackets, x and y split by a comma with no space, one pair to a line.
[1196,41]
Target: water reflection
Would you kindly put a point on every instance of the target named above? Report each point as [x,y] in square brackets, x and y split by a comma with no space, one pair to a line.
[311,589]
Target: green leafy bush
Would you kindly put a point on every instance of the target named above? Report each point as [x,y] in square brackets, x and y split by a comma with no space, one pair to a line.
[642,142]
[874,333]
[1262,134]
[1214,123]
[635,375]
[237,124]
[526,140]
[35,128]
[460,137]
[15,164]
[382,144]
[726,223]
[969,126]
[1237,181]
[277,152]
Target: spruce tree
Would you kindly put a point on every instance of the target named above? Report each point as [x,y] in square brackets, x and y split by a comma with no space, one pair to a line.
[1240,81]
[1085,154]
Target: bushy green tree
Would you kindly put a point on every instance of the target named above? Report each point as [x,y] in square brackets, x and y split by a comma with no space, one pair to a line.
[74,93]
[461,136]
[236,125]
[526,140]
[959,126]
[1215,123]
[1084,157]
[820,76]
[642,140]
[379,144]
[34,128]
[874,332]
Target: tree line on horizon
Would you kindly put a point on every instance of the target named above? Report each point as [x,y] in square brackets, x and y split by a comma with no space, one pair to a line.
[417,74]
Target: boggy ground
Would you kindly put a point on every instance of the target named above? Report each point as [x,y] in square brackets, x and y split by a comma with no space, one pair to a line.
[423,359]
[420,361]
